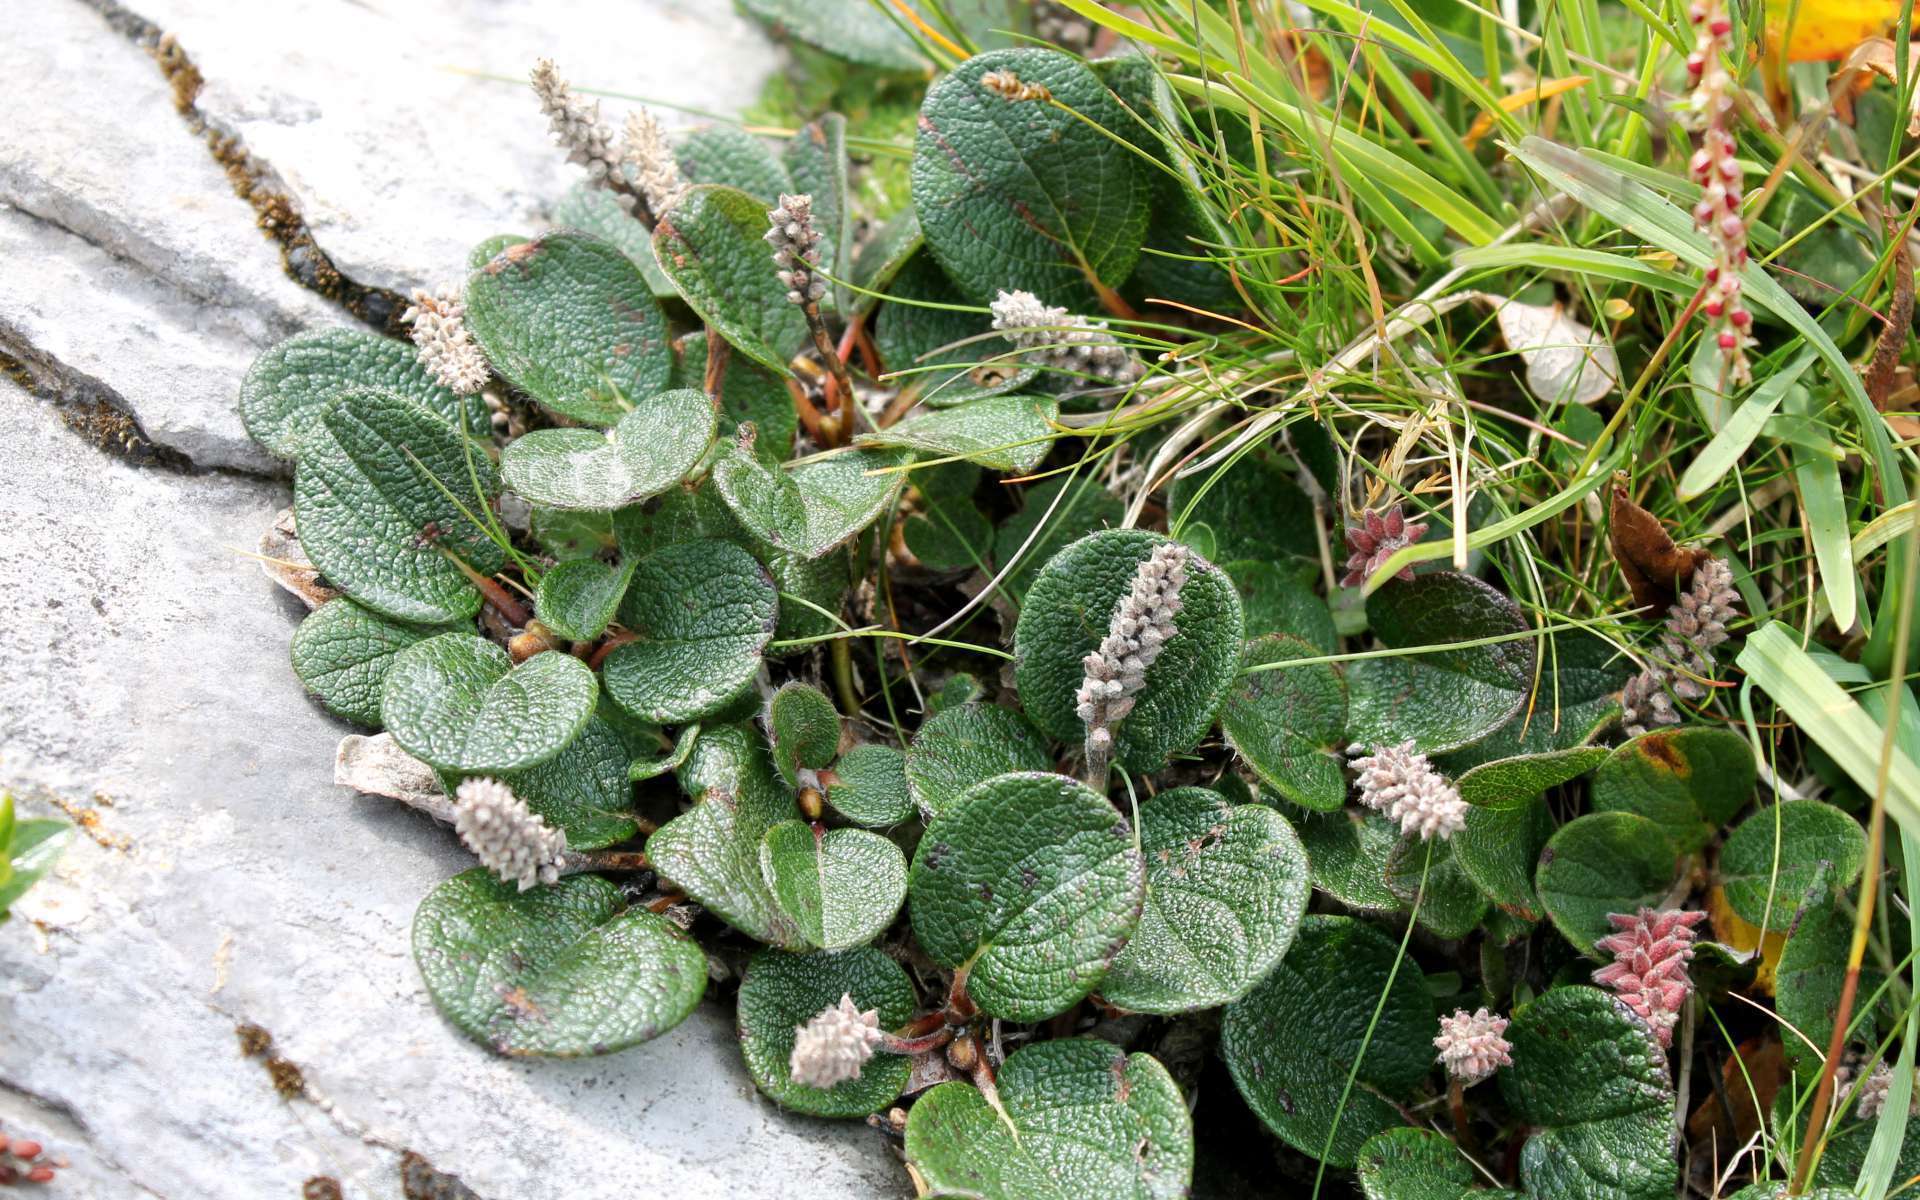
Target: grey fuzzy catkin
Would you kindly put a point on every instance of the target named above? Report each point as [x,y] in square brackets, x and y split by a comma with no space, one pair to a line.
[1401,783]
[438,325]
[507,837]
[578,129]
[1696,623]
[1054,338]
[1142,624]
[833,1046]
[796,248]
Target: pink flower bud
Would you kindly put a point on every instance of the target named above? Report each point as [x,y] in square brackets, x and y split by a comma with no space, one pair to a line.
[1728,341]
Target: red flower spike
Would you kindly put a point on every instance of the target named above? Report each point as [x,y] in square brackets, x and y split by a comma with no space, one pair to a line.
[1374,539]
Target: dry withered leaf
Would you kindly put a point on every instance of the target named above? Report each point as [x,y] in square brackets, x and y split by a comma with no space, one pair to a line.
[1567,362]
[377,766]
[1655,569]
[1750,1079]
[286,563]
[1882,373]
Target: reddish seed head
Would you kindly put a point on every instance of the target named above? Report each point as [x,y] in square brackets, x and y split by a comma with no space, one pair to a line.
[1702,212]
[1732,228]
[1721,27]
[1714,308]
[26,1149]
[1713,272]
[1695,64]
[1728,341]
[40,1175]
[1741,317]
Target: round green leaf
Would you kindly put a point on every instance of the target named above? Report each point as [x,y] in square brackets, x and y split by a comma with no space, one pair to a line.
[1413,1164]
[868,786]
[1067,614]
[711,244]
[1576,697]
[1081,1119]
[1289,725]
[571,321]
[341,652]
[1450,906]
[1773,860]
[1018,193]
[289,386]
[712,851]
[584,789]
[1006,433]
[729,155]
[1085,507]
[1589,1078]
[804,729]
[823,583]
[593,209]
[646,452]
[1255,509]
[1515,782]
[783,991]
[842,887]
[1446,699]
[1277,600]
[1226,888]
[1030,885]
[381,496]
[1601,863]
[852,29]
[561,971]
[457,702]
[1499,849]
[967,745]
[1690,781]
[578,598]
[811,509]
[702,614]
[1349,850]
[1292,1042]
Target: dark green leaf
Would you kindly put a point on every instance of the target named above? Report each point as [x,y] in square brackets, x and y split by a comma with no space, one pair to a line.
[571,321]
[1067,614]
[810,509]
[457,702]
[842,887]
[1450,906]
[1006,433]
[1413,1164]
[1771,864]
[381,497]
[710,243]
[1291,1044]
[851,29]
[1349,850]
[803,728]
[1081,1119]
[1290,725]
[1589,1078]
[289,386]
[748,392]
[1017,192]
[1690,781]
[560,971]
[1029,882]
[712,851]
[868,786]
[1601,863]
[593,209]
[1086,507]
[577,599]
[967,745]
[1499,849]
[1226,888]
[1446,699]
[783,991]
[1278,600]
[646,452]
[1514,782]
[729,155]
[701,614]
[341,652]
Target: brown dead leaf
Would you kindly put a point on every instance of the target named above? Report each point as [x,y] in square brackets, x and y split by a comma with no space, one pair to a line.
[286,563]
[1881,373]
[1655,569]
[1875,56]
[1750,1079]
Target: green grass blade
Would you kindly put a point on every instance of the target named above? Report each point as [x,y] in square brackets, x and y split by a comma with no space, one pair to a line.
[1825,501]
[1741,428]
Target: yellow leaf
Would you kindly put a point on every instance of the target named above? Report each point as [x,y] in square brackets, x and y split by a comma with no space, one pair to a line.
[1826,29]
[1742,937]
[1616,309]
[1513,102]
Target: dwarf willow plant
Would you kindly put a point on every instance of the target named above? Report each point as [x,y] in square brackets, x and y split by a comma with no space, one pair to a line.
[675,565]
